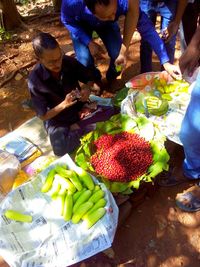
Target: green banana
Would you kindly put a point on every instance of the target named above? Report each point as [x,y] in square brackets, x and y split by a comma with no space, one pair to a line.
[81,199]
[48,182]
[68,207]
[94,217]
[18,216]
[85,178]
[81,211]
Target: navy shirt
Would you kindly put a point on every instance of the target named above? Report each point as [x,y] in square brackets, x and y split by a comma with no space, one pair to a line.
[75,16]
[47,92]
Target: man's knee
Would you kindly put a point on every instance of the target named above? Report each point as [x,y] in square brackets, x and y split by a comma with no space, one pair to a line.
[63,141]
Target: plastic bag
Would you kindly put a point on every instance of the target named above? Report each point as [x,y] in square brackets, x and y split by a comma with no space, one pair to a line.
[49,240]
[9,168]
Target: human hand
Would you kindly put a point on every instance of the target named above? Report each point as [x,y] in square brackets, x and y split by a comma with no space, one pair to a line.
[85,111]
[170,31]
[188,62]
[85,93]
[173,70]
[121,60]
[70,99]
[96,50]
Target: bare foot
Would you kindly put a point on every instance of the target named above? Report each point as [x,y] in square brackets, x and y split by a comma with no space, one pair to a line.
[189,200]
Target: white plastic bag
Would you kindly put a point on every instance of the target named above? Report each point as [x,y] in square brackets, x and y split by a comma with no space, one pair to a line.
[49,241]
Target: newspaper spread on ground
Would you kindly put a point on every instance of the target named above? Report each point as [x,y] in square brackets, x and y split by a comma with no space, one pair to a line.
[49,240]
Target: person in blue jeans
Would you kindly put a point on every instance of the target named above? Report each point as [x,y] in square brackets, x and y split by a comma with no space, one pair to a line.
[82,17]
[189,200]
[171,12]
[81,23]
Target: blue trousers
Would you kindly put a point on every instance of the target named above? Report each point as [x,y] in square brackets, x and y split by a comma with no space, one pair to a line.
[190,134]
[167,11]
[111,37]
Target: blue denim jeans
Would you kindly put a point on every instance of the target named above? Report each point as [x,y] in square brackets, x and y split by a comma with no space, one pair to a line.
[111,37]
[190,134]
[167,11]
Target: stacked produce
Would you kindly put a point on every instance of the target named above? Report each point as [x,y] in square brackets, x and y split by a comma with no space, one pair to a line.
[122,157]
[156,101]
[77,196]
[123,151]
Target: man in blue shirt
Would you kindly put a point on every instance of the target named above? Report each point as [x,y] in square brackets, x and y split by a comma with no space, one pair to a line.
[171,12]
[82,17]
[57,97]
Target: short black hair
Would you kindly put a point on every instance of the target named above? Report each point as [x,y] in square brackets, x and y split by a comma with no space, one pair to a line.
[43,41]
[91,4]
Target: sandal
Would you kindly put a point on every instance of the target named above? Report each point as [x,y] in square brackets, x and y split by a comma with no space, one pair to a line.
[188,202]
[168,179]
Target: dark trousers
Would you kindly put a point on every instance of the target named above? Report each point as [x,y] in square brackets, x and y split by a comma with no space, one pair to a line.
[63,140]
[190,20]
[167,11]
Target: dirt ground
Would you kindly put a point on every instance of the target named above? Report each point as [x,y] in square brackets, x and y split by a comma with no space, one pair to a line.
[156,233]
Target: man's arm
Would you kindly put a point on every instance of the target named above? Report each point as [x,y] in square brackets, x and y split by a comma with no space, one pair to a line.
[174,24]
[131,20]
[130,23]
[150,35]
[189,60]
[66,103]
[40,103]
[69,10]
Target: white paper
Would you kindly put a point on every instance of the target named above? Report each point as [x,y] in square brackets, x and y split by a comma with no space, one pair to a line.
[49,240]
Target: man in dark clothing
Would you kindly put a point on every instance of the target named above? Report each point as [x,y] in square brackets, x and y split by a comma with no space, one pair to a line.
[58,98]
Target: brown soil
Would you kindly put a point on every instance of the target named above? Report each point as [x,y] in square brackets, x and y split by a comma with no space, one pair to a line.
[156,233]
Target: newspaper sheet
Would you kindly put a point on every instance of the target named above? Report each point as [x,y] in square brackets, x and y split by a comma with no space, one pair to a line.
[49,240]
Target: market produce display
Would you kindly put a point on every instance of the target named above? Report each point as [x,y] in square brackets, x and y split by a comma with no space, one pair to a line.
[123,151]
[63,208]
[121,157]
[155,100]
[76,195]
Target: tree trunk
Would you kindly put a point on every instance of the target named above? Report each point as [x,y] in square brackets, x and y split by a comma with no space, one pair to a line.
[57,5]
[11,16]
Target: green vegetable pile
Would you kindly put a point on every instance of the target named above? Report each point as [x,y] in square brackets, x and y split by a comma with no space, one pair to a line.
[76,195]
[155,101]
[117,124]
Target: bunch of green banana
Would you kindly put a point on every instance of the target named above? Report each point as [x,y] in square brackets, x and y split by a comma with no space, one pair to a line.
[166,88]
[76,195]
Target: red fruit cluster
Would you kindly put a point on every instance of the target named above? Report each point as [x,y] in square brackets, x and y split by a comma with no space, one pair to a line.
[122,157]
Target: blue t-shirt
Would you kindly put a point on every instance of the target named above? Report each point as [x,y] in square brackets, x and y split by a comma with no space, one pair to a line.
[77,17]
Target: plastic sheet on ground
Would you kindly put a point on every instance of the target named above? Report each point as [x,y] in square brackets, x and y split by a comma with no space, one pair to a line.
[48,240]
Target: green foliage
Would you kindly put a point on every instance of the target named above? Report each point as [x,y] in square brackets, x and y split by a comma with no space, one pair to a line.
[119,123]
[4,35]
[120,95]
[22,2]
